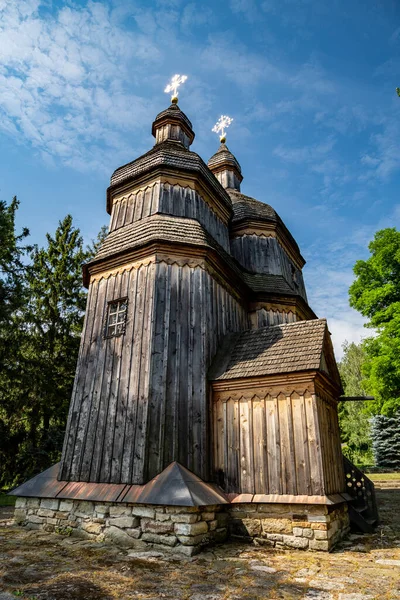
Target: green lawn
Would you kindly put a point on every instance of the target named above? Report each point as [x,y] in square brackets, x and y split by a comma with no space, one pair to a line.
[6,500]
[382,476]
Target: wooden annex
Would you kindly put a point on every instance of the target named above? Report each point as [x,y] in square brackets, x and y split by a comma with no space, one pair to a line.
[199,349]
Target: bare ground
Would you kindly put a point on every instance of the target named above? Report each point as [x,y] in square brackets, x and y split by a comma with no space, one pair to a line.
[41,566]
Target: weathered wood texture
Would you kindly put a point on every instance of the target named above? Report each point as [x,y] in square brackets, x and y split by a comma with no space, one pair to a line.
[277,443]
[262,254]
[263,317]
[141,400]
[170,200]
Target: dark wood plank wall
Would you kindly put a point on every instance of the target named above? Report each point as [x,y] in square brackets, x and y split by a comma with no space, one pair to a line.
[170,200]
[277,444]
[263,317]
[193,313]
[263,254]
[105,429]
[141,399]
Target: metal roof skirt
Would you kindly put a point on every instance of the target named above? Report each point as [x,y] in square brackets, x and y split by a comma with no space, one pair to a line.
[175,486]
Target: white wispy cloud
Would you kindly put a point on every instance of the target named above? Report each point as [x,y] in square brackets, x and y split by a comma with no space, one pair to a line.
[225,54]
[63,81]
[329,274]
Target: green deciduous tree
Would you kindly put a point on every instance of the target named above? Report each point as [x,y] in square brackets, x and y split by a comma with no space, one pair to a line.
[376,294]
[353,418]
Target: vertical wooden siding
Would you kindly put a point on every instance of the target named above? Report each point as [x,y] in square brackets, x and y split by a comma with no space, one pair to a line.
[105,435]
[193,312]
[277,444]
[262,254]
[141,399]
[168,199]
[263,317]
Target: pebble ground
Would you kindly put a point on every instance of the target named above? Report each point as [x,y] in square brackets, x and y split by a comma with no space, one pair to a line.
[40,566]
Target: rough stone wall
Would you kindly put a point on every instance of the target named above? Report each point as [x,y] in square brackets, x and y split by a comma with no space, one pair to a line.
[307,527]
[186,529]
[182,529]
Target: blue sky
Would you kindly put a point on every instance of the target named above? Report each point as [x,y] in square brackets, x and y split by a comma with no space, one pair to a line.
[310,85]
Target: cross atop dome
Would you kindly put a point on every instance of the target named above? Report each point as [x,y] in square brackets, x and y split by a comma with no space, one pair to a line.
[174,84]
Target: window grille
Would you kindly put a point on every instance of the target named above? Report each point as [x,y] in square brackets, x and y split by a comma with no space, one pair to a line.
[116,317]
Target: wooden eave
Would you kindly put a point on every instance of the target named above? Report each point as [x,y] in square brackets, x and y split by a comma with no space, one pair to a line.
[173,120]
[168,251]
[260,298]
[312,379]
[227,276]
[227,166]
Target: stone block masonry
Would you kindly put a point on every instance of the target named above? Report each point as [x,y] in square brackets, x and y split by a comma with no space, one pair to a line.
[186,529]
[181,529]
[302,526]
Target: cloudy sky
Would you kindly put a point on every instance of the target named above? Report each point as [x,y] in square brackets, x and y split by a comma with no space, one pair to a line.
[310,85]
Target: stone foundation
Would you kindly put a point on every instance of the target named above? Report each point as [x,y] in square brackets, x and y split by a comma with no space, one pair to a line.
[187,529]
[183,529]
[308,527]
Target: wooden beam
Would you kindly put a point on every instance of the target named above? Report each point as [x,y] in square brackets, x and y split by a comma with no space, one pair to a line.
[356,398]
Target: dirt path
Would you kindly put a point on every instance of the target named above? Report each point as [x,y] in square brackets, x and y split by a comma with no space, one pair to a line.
[39,565]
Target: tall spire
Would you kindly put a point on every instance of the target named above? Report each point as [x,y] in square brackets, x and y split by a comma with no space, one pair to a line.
[172,124]
[223,164]
[226,168]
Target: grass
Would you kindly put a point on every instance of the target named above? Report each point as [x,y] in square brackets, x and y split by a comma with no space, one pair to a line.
[379,477]
[6,500]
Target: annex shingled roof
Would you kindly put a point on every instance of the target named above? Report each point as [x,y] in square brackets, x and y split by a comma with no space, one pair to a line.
[270,350]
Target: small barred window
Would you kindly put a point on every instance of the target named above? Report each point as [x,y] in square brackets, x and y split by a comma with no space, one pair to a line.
[116,317]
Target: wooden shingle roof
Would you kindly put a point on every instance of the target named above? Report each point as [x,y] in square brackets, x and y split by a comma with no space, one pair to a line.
[245,207]
[271,350]
[171,155]
[154,228]
[224,156]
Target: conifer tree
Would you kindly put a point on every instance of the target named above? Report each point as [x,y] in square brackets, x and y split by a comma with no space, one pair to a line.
[53,322]
[13,296]
[386,441]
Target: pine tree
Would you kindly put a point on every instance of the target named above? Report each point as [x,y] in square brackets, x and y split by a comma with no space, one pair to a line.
[12,269]
[13,297]
[53,323]
[386,441]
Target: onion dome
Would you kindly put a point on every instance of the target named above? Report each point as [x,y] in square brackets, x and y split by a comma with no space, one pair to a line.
[226,168]
[173,125]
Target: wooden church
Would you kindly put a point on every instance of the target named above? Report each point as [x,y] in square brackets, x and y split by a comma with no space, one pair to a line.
[206,389]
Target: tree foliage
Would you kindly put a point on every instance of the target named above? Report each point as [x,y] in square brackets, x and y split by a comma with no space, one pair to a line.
[386,435]
[376,294]
[39,343]
[353,418]
[11,263]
